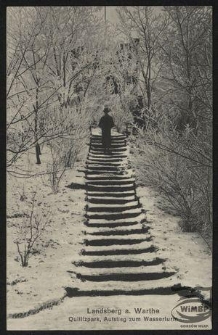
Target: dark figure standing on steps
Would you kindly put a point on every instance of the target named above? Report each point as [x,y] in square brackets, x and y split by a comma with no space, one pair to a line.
[106,123]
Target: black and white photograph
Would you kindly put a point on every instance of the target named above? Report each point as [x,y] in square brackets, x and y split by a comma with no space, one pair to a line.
[109,126]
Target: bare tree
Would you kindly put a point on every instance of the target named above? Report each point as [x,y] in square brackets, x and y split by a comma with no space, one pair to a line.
[28,82]
[179,153]
[42,72]
[143,30]
[186,50]
[30,230]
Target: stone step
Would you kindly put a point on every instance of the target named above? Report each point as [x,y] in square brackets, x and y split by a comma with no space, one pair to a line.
[107,176]
[99,138]
[139,218]
[124,277]
[116,231]
[137,248]
[128,213]
[112,216]
[113,182]
[113,138]
[111,188]
[110,200]
[113,149]
[103,174]
[116,240]
[108,160]
[105,166]
[115,261]
[119,169]
[164,286]
[121,158]
[114,143]
[113,163]
[98,223]
[114,224]
[104,194]
[128,274]
[107,156]
[113,207]
[111,153]
[110,157]
[117,137]
[113,146]
[116,156]
[99,172]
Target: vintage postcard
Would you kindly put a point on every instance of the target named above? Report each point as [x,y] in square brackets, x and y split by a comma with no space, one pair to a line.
[109,168]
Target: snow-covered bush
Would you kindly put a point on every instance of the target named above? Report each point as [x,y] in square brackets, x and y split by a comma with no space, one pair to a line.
[30,229]
[175,166]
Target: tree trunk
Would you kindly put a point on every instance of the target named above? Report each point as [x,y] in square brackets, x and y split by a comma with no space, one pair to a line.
[149,96]
[149,83]
[37,147]
[68,162]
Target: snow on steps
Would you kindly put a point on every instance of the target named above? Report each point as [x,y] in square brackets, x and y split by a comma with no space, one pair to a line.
[110,200]
[114,231]
[114,146]
[111,207]
[121,260]
[148,272]
[107,176]
[118,194]
[134,245]
[113,150]
[109,215]
[111,188]
[161,286]
[119,221]
[113,182]
[102,239]
[118,254]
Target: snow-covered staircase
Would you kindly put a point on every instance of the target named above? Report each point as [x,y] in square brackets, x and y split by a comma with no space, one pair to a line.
[118,254]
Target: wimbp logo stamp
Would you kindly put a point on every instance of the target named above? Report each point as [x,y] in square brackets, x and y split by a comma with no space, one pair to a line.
[193,308]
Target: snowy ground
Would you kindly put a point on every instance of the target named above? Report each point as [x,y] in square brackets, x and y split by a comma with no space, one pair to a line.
[41,284]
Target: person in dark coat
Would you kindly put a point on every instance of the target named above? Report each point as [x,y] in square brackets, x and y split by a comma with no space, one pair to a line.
[106,123]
